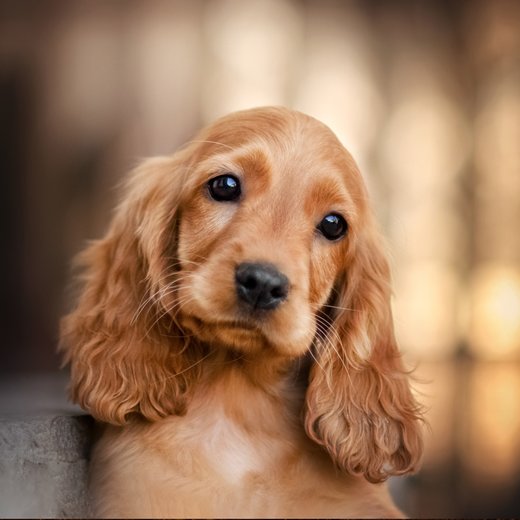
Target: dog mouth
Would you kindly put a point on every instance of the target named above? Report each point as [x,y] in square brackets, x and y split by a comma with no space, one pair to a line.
[238,326]
[224,324]
[234,333]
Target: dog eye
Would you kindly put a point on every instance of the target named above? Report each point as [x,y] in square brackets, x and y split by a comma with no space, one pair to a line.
[224,188]
[333,227]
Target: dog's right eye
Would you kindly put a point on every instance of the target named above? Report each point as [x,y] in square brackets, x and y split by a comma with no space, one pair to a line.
[224,188]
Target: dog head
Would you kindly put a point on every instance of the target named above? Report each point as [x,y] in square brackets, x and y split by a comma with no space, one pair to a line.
[256,238]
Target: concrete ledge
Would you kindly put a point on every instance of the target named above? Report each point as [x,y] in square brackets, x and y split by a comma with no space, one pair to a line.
[44,450]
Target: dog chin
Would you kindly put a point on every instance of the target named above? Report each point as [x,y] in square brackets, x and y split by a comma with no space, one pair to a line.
[245,339]
[236,336]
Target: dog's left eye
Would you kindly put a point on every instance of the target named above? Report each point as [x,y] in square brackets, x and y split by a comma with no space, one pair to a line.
[224,188]
[333,226]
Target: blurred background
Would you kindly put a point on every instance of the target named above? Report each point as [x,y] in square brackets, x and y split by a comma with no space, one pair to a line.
[425,94]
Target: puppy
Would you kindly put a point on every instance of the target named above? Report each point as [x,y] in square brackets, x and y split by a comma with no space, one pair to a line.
[234,334]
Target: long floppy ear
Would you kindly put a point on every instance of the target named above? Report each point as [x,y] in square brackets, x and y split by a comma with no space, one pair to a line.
[125,358]
[359,405]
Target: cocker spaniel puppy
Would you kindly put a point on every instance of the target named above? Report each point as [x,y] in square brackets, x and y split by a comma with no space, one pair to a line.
[234,334]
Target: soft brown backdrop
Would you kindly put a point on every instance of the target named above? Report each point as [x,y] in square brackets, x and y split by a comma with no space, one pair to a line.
[426,94]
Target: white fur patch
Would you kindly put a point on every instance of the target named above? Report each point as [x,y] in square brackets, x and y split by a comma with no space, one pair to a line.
[230,450]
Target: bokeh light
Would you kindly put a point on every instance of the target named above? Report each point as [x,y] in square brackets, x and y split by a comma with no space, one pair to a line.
[495,316]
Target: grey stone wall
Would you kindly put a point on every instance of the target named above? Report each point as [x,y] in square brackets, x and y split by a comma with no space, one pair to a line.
[44,450]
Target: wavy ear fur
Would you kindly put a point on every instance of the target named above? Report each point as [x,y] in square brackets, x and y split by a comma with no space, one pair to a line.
[359,405]
[124,358]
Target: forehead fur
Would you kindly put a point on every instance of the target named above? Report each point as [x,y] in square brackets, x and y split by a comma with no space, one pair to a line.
[290,138]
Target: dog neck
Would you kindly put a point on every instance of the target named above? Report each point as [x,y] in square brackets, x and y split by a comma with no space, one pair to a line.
[253,390]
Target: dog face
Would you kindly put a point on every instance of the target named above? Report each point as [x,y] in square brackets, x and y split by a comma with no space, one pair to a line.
[266,223]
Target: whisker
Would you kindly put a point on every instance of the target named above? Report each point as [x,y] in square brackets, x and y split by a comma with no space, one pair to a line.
[339,308]
[166,311]
[183,262]
[316,360]
[202,141]
[162,292]
[330,328]
[149,300]
[193,365]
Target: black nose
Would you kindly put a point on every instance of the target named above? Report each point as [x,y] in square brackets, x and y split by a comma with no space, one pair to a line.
[261,286]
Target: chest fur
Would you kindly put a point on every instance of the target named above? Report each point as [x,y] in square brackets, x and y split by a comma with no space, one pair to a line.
[227,457]
[203,464]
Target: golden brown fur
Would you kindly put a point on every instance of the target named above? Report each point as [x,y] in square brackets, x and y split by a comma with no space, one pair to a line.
[298,411]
